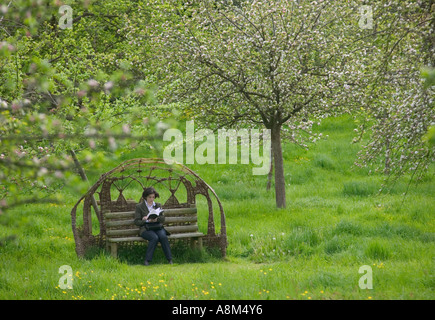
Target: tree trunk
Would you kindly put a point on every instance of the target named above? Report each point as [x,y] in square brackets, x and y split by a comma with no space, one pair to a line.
[279,166]
[82,174]
[269,175]
[387,157]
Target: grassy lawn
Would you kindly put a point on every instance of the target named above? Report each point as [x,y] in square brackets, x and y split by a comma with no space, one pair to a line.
[334,223]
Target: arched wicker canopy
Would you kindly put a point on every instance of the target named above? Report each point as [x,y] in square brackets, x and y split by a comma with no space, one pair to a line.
[121,189]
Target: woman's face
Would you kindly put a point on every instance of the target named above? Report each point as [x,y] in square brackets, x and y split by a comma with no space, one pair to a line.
[150,198]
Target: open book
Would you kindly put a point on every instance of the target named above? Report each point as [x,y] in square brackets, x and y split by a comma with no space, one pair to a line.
[154,213]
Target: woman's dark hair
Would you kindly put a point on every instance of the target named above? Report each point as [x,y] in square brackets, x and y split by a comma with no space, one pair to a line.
[148,191]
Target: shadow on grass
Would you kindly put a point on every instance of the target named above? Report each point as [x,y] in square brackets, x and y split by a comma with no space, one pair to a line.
[135,255]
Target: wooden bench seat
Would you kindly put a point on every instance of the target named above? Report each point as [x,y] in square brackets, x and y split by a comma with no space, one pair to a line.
[181,223]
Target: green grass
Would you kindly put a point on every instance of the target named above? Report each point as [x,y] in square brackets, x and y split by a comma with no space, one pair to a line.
[335,222]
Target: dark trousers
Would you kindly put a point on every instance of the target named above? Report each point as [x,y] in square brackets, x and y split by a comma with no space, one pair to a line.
[153,238]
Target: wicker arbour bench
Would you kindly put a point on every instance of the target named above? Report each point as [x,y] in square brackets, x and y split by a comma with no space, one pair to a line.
[181,223]
[176,183]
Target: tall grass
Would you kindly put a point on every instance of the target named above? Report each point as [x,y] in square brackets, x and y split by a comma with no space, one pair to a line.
[335,222]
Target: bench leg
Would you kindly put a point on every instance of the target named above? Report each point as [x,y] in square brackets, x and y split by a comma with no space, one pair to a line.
[200,243]
[114,250]
[197,245]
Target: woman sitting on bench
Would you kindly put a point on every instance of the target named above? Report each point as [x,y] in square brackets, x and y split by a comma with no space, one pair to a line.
[150,218]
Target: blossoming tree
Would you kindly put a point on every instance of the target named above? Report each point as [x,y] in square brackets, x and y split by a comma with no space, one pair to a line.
[398,110]
[280,64]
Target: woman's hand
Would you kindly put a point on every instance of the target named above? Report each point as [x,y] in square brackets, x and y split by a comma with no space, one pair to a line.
[150,220]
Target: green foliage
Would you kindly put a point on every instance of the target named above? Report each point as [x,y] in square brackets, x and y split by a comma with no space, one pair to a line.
[429,75]
[311,250]
[429,137]
[348,227]
[378,251]
[359,188]
[324,161]
[335,245]
[92,89]
[83,88]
